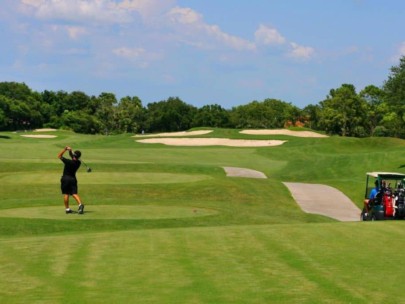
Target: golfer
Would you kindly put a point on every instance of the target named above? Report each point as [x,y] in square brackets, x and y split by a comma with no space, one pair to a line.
[372,197]
[68,180]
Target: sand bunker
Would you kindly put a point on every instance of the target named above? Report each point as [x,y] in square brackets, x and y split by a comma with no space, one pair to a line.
[39,136]
[283,132]
[243,172]
[175,134]
[212,142]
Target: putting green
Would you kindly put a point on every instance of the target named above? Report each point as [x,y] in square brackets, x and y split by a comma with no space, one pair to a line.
[95,212]
[111,178]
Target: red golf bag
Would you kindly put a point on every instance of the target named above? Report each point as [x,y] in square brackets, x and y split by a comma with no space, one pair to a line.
[388,204]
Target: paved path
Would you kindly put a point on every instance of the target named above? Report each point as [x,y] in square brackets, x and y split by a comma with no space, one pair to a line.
[243,172]
[324,200]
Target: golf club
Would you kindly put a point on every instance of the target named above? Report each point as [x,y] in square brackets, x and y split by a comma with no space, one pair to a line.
[72,155]
[88,168]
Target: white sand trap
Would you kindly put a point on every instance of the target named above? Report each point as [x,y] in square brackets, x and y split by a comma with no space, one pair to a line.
[45,130]
[40,136]
[283,132]
[212,142]
[243,172]
[324,200]
[176,134]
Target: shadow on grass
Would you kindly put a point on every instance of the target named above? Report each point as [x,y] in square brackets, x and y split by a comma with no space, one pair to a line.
[4,137]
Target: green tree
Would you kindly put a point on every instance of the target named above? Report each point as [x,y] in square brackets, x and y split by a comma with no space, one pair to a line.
[394,89]
[271,113]
[170,115]
[19,115]
[343,112]
[311,114]
[129,114]
[80,122]
[77,101]
[5,119]
[15,90]
[105,111]
[211,116]
[20,106]
[377,108]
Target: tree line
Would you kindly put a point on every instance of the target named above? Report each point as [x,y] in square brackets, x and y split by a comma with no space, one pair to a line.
[374,111]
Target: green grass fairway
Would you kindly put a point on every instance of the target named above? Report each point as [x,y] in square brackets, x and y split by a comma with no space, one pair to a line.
[111,178]
[306,263]
[93,212]
[164,224]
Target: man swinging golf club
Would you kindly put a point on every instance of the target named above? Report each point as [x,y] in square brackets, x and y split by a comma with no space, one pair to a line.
[68,180]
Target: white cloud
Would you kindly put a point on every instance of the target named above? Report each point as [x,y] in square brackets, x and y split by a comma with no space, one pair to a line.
[183,24]
[77,10]
[268,36]
[185,16]
[75,31]
[400,52]
[140,57]
[190,24]
[148,9]
[151,23]
[300,52]
[402,49]
[131,53]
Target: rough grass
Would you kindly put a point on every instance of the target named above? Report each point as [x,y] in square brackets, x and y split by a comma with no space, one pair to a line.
[165,224]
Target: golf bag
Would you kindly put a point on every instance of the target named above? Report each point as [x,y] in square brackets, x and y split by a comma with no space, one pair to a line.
[400,204]
[388,204]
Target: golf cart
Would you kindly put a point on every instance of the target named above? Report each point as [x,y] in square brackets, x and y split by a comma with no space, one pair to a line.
[387,198]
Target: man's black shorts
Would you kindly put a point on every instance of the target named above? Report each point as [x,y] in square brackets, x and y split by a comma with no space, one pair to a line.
[68,185]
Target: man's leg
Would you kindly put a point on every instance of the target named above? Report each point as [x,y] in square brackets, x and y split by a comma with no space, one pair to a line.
[366,205]
[79,202]
[66,202]
[77,198]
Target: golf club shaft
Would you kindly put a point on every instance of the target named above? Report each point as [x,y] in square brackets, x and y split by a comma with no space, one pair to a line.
[84,163]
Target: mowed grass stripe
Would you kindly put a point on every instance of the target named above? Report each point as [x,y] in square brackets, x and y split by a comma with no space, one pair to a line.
[248,264]
[111,178]
[97,212]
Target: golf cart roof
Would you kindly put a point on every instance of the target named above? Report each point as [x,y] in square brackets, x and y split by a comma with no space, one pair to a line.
[387,175]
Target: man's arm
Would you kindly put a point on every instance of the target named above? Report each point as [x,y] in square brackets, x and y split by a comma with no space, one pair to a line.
[60,155]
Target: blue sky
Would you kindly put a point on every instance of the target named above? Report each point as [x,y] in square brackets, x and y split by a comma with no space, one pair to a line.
[226,52]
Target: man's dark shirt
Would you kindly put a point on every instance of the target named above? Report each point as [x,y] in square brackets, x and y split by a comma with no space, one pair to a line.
[71,166]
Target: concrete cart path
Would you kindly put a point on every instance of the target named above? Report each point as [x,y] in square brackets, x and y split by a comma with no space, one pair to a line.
[324,200]
[243,172]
